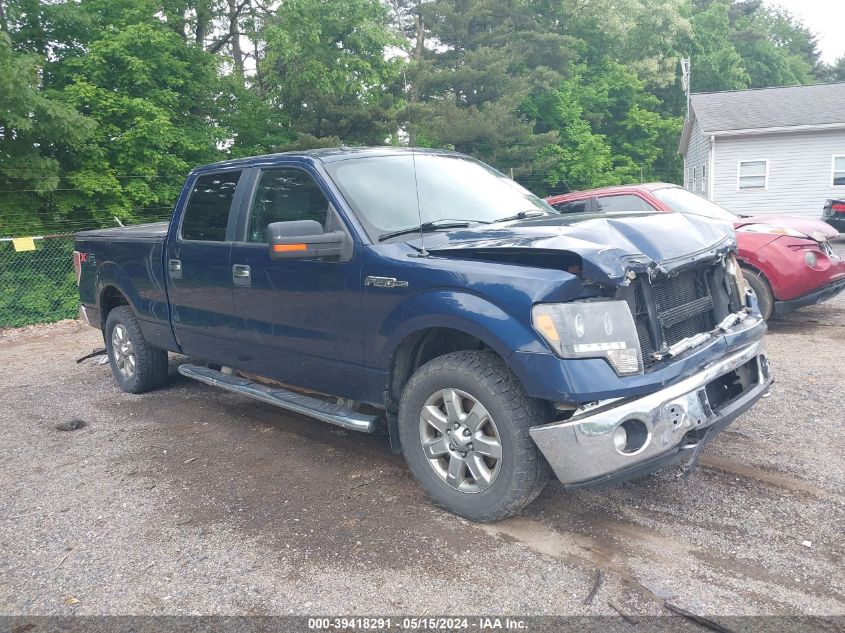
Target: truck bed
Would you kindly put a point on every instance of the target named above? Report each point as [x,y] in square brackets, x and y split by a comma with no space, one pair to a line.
[130,259]
[152,231]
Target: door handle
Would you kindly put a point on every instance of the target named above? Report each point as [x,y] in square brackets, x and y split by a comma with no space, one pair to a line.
[175,268]
[241,275]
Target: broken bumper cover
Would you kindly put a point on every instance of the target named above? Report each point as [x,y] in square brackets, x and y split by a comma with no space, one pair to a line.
[586,449]
[811,298]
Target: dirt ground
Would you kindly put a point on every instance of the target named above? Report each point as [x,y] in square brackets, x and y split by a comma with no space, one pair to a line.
[190,500]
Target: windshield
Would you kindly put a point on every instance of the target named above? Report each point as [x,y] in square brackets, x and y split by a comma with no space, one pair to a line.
[387,195]
[688,202]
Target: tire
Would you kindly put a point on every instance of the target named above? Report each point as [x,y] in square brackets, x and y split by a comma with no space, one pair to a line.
[137,366]
[503,486]
[760,285]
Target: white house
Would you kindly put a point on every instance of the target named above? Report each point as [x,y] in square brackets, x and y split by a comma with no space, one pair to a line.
[771,150]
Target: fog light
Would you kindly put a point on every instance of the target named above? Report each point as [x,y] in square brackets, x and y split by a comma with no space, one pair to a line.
[630,437]
[811,259]
[620,438]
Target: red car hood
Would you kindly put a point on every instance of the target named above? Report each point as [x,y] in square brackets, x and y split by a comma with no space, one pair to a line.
[810,227]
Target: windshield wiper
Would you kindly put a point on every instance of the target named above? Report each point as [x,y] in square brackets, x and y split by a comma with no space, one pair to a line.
[522,215]
[431,226]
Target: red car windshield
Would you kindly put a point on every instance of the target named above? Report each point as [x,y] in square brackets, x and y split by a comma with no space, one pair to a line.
[685,201]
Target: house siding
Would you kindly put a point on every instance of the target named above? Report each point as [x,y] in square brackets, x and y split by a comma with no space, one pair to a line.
[697,160]
[799,172]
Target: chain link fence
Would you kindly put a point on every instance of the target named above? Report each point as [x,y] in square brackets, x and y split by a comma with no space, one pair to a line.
[38,286]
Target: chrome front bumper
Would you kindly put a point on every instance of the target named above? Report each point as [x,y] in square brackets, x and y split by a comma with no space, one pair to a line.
[582,452]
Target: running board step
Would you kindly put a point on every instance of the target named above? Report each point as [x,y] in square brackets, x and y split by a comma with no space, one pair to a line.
[292,401]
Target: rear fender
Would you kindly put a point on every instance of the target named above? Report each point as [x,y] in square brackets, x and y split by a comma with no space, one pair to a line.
[109,274]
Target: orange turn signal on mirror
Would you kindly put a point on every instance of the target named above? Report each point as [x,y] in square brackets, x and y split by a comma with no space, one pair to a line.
[287,248]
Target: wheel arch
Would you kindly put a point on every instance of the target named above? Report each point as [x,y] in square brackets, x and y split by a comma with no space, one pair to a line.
[760,273]
[110,298]
[421,346]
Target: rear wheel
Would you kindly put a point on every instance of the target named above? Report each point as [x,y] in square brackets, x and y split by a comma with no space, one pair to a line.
[761,289]
[463,422]
[137,366]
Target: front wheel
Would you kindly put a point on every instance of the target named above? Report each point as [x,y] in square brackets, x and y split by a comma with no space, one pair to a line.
[463,423]
[761,289]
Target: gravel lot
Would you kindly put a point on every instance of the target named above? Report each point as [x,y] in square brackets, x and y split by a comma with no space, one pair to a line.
[190,500]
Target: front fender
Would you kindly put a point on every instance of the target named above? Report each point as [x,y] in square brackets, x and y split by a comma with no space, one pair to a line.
[458,310]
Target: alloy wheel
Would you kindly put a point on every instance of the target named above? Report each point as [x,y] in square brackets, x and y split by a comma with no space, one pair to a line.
[460,440]
[122,351]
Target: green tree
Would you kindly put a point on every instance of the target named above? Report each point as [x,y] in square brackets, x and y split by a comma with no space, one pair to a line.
[836,71]
[326,73]
[36,135]
[153,99]
[749,45]
[485,59]
[717,65]
[647,36]
[610,131]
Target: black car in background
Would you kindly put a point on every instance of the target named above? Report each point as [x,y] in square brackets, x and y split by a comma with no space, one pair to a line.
[834,214]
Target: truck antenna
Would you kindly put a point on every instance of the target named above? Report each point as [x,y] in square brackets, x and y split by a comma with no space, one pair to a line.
[423,252]
[401,33]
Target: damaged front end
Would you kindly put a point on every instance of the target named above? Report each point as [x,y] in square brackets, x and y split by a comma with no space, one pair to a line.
[676,274]
[661,349]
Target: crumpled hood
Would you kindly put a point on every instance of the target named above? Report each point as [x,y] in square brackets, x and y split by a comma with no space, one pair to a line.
[609,247]
[812,228]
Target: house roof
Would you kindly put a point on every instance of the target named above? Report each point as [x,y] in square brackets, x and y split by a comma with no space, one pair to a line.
[766,110]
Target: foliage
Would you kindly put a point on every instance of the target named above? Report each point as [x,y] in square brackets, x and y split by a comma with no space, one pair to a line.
[36,134]
[106,104]
[37,286]
[610,130]
[325,70]
[748,45]
[490,57]
[152,99]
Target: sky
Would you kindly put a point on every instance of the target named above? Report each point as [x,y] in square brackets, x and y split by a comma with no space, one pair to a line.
[825,18]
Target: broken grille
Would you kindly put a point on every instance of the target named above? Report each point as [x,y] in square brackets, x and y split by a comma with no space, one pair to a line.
[682,305]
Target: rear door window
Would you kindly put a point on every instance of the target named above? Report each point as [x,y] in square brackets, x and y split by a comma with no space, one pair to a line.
[207,212]
[623,203]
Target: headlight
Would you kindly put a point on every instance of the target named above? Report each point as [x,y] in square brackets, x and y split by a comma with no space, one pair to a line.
[735,271]
[811,259]
[770,228]
[591,329]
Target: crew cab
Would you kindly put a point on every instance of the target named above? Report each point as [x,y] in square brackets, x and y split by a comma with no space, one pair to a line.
[787,261]
[425,294]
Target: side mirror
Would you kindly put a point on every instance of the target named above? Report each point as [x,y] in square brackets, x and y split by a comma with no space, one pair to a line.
[303,239]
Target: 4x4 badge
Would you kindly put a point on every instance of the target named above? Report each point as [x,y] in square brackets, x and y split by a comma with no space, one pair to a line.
[385,282]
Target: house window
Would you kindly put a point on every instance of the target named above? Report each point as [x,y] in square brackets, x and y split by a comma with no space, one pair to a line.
[839,171]
[753,174]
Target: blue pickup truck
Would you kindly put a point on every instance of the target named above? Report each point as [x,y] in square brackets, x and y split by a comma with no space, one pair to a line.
[424,294]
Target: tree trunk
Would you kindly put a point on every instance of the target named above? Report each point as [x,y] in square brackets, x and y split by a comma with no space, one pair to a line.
[414,91]
[203,19]
[235,38]
[4,25]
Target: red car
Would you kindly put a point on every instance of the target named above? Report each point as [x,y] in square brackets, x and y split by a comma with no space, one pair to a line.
[787,260]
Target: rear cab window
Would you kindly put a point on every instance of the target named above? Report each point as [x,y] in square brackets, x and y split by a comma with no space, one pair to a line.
[574,206]
[622,203]
[206,214]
